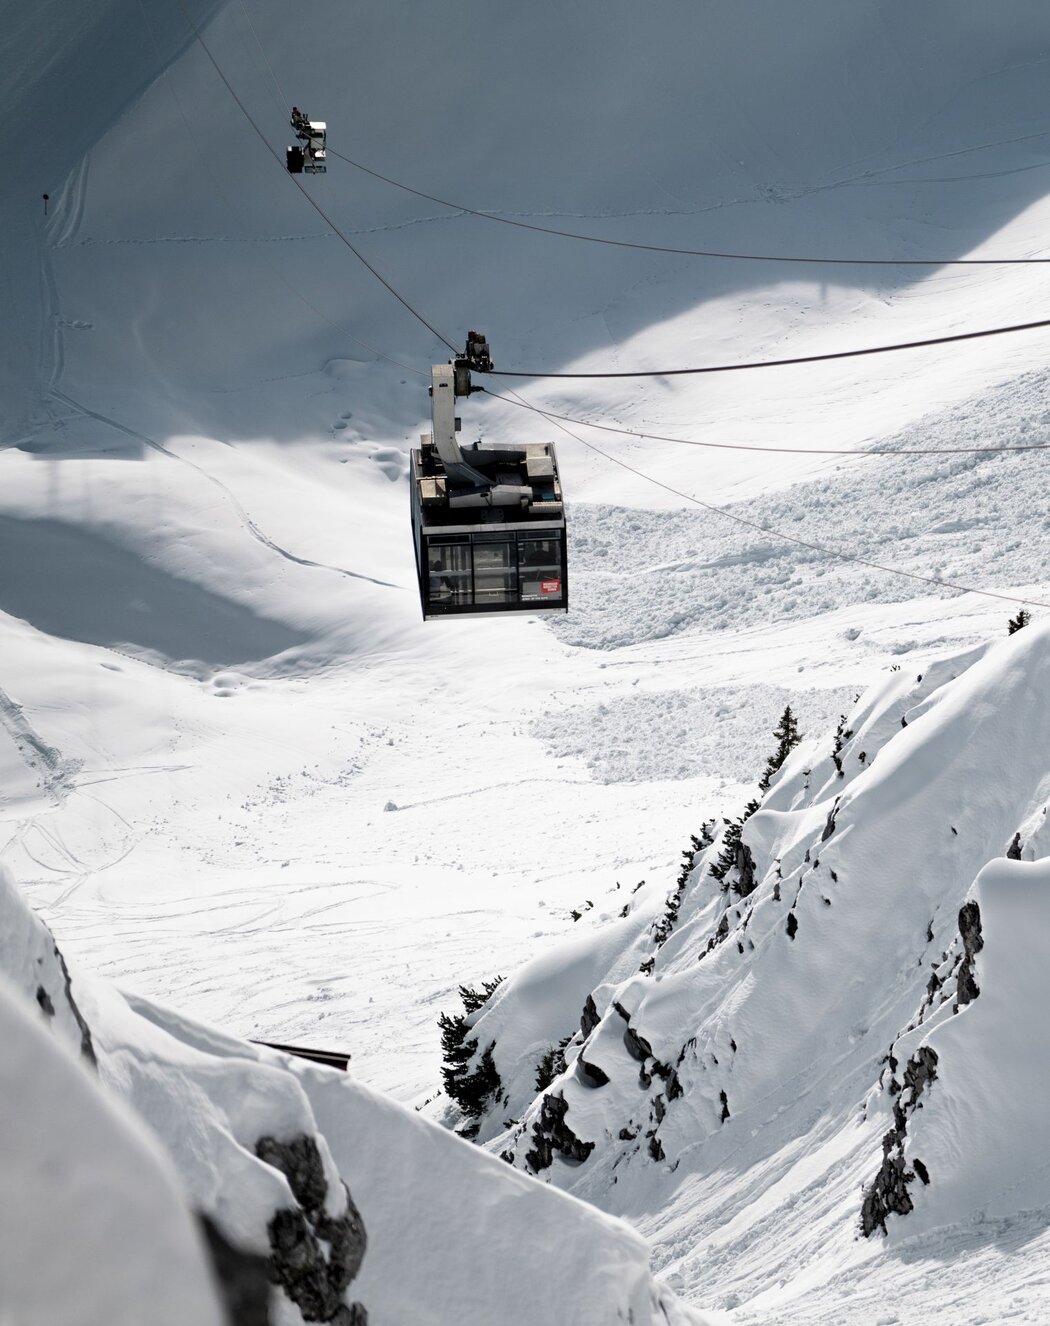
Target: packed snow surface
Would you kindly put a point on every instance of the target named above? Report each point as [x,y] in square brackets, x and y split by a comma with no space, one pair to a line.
[239,776]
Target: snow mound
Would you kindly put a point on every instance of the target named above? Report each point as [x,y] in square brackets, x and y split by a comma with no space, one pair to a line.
[125,1121]
[784,1070]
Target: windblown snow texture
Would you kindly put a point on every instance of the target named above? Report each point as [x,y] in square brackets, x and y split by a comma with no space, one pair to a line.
[872,1006]
[167,1120]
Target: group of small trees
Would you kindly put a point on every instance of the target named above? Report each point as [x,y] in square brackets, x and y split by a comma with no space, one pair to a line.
[471,1089]
[732,853]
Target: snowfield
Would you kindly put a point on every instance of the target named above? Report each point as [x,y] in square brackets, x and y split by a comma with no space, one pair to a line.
[252,795]
[804,1063]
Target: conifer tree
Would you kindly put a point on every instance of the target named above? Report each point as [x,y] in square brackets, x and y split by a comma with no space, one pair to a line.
[471,1091]
[1016,623]
[788,736]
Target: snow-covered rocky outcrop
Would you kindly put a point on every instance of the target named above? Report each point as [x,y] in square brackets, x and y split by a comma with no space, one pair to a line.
[133,1140]
[845,1036]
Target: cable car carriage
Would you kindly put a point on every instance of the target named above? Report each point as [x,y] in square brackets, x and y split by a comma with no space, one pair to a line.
[488,522]
[310,153]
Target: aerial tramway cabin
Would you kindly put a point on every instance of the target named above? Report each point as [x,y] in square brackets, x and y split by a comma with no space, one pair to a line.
[488,522]
[310,154]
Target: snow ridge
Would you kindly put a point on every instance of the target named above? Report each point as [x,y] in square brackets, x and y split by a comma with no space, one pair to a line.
[806,1004]
[245,1155]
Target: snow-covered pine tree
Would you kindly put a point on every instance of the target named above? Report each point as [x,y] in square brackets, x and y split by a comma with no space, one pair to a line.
[1016,623]
[665,925]
[788,736]
[470,1090]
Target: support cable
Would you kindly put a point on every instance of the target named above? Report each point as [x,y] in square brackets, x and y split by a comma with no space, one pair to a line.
[312,201]
[791,538]
[687,497]
[266,60]
[691,253]
[646,436]
[795,359]
[217,182]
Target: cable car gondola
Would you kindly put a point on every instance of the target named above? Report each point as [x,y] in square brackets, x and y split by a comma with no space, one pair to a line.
[310,153]
[488,522]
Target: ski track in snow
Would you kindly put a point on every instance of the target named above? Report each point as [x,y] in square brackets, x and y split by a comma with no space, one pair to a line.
[245,519]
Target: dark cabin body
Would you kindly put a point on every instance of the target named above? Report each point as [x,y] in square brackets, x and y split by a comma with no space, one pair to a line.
[477,555]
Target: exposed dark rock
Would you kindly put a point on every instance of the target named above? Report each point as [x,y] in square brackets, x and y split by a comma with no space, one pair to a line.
[44,1000]
[973,942]
[659,1108]
[922,1172]
[242,1277]
[829,827]
[1013,852]
[589,1018]
[550,1134]
[889,1189]
[725,1105]
[745,864]
[625,1135]
[646,967]
[637,1046]
[87,1049]
[590,1075]
[656,1148]
[313,1278]
[792,925]
[888,1193]
[620,1011]
[920,1072]
[300,1162]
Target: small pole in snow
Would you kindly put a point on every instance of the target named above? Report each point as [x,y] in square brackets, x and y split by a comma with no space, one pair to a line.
[47,199]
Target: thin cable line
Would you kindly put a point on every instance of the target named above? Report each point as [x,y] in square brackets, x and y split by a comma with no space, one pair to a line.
[688,497]
[692,253]
[795,359]
[791,538]
[266,59]
[313,203]
[343,331]
[746,446]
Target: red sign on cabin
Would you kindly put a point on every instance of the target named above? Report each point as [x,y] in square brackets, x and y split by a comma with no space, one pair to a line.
[550,586]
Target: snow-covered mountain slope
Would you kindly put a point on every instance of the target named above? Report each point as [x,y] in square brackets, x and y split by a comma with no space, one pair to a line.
[123,1120]
[237,774]
[842,1037]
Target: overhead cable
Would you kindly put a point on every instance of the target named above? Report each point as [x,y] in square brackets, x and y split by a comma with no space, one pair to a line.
[689,253]
[311,200]
[795,359]
[752,446]
[791,538]
[342,330]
